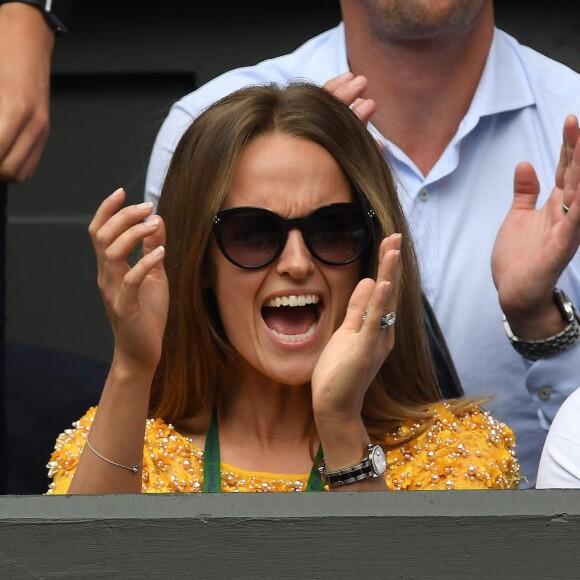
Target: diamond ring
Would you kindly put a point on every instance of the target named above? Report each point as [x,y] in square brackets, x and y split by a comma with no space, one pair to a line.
[387,320]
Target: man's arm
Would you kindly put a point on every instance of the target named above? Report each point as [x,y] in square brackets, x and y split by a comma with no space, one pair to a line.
[534,246]
[26,43]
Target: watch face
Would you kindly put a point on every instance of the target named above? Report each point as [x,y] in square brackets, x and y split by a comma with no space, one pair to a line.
[378,460]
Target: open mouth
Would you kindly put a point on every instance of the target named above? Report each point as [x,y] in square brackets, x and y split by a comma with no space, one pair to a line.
[292,318]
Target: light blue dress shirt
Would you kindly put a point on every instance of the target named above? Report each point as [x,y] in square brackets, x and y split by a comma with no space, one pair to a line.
[455,212]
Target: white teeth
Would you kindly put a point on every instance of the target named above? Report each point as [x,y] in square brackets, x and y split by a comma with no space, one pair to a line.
[293,300]
[295,337]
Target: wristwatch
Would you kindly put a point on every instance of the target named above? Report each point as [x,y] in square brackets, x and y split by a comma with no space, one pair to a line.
[535,349]
[54,12]
[373,464]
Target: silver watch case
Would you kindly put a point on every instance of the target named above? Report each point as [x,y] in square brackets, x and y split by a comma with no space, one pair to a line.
[378,460]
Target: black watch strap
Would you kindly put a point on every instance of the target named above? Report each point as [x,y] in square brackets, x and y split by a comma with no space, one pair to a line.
[372,465]
[55,12]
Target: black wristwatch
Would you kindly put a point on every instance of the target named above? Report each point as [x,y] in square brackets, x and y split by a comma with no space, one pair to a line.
[374,464]
[54,12]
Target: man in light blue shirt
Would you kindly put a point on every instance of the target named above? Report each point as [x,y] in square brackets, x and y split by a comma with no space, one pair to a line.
[459,104]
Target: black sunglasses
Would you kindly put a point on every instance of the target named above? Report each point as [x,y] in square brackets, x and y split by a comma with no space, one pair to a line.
[253,237]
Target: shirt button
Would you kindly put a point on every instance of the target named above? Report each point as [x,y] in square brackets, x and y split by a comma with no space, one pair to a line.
[424,194]
[545,394]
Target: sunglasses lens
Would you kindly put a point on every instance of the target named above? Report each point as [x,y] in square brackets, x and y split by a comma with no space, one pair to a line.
[250,239]
[338,234]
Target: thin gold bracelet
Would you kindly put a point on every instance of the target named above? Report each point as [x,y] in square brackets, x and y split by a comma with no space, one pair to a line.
[133,468]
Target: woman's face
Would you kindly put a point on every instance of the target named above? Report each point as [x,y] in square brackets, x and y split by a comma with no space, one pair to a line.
[290,177]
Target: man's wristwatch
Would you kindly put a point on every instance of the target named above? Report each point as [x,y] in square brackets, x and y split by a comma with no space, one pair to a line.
[535,349]
[54,12]
[373,464]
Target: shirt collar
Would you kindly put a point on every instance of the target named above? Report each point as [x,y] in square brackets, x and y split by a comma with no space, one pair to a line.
[504,84]
[341,56]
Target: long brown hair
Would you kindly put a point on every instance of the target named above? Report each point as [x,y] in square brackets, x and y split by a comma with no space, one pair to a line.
[197,358]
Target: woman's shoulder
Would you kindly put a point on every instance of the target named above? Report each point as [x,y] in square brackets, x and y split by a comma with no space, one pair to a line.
[67,451]
[460,447]
[69,444]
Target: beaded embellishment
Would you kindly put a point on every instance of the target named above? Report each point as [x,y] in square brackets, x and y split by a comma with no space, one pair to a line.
[471,450]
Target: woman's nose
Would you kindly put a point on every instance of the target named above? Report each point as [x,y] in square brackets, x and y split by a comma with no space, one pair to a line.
[295,258]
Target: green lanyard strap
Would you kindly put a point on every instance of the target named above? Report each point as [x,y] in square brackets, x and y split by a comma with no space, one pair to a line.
[211,461]
[315,481]
[211,457]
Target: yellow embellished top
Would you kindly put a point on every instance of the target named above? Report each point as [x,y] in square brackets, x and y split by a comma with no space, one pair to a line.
[468,450]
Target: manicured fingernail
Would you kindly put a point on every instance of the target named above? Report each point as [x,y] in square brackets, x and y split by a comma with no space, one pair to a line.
[158,251]
[116,193]
[152,222]
[145,205]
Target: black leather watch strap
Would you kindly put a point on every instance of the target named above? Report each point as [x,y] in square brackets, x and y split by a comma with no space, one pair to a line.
[55,12]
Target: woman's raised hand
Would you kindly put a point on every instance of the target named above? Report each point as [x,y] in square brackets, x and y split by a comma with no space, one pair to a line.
[357,350]
[136,296]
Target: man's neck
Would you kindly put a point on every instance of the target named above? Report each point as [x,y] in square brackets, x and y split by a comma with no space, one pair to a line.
[422,89]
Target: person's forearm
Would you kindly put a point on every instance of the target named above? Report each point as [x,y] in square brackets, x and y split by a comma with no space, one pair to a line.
[344,444]
[26,27]
[26,43]
[116,437]
[538,324]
